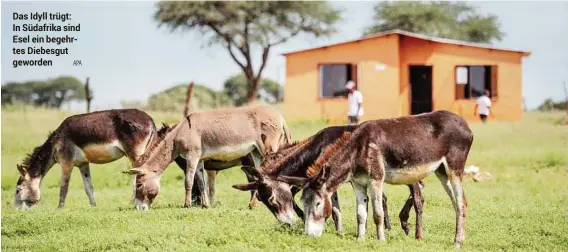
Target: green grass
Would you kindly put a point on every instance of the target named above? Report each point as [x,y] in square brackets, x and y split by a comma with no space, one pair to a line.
[525,206]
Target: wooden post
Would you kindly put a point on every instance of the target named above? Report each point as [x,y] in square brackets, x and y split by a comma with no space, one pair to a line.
[566,95]
[88,95]
[188,99]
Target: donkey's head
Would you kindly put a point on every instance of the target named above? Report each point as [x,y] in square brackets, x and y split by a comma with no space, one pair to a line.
[275,193]
[317,204]
[147,186]
[27,189]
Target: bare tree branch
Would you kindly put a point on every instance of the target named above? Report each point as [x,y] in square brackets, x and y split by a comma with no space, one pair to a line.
[264,60]
[230,49]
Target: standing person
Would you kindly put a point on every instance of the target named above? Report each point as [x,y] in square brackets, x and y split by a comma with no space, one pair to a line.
[355,103]
[483,106]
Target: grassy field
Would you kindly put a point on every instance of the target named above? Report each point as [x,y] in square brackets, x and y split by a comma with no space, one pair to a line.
[525,206]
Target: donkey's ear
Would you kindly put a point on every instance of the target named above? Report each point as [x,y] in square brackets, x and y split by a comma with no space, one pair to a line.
[246,187]
[134,171]
[21,169]
[252,172]
[298,181]
[269,150]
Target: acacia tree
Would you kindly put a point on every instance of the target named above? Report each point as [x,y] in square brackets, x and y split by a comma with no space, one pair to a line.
[453,20]
[239,26]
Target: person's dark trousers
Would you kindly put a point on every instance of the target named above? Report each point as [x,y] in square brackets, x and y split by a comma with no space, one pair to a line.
[352,119]
[483,118]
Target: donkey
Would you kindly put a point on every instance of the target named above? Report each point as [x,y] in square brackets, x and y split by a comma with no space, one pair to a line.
[212,167]
[223,135]
[98,137]
[277,178]
[401,150]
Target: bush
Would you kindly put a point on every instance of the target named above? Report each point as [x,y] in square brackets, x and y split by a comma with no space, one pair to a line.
[173,99]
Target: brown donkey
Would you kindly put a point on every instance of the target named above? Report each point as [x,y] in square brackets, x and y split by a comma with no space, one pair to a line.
[99,137]
[276,190]
[401,150]
[222,135]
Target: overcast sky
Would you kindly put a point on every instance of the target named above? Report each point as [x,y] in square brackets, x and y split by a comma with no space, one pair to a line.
[129,58]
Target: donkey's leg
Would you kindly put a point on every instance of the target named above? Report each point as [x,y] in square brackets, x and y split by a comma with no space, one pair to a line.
[385,208]
[66,169]
[199,183]
[378,211]
[211,176]
[254,159]
[443,177]
[404,214]
[192,164]
[195,191]
[86,174]
[336,212]
[361,194]
[133,198]
[418,202]
[297,209]
[457,186]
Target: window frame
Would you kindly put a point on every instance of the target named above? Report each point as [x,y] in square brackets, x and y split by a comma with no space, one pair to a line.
[493,83]
[320,79]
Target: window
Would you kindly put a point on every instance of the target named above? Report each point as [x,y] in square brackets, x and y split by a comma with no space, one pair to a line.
[333,78]
[472,81]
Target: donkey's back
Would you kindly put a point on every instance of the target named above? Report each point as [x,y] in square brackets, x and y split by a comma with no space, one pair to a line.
[227,134]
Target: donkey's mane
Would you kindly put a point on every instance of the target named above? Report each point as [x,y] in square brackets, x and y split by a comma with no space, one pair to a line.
[327,153]
[269,166]
[161,134]
[41,153]
[302,156]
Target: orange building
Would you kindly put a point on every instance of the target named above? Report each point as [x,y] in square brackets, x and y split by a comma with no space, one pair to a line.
[402,73]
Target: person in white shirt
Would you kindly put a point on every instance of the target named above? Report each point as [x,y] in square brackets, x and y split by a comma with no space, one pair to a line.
[483,106]
[355,103]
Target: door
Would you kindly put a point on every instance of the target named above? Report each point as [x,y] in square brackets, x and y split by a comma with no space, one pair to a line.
[420,89]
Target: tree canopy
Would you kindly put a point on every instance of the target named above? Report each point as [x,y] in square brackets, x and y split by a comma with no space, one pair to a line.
[236,88]
[453,20]
[239,26]
[51,93]
[173,99]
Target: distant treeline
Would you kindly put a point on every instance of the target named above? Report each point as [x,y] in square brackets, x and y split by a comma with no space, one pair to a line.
[549,105]
[53,93]
[234,93]
[50,93]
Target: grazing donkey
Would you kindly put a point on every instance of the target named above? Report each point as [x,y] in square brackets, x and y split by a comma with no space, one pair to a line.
[277,178]
[98,137]
[212,167]
[223,135]
[401,150]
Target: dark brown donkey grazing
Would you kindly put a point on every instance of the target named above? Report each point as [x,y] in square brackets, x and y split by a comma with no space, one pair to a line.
[282,173]
[97,137]
[401,150]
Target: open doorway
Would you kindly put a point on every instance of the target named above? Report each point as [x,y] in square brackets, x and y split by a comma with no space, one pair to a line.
[420,89]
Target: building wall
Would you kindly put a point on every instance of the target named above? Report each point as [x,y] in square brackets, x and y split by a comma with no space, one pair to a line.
[379,87]
[444,58]
[386,91]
